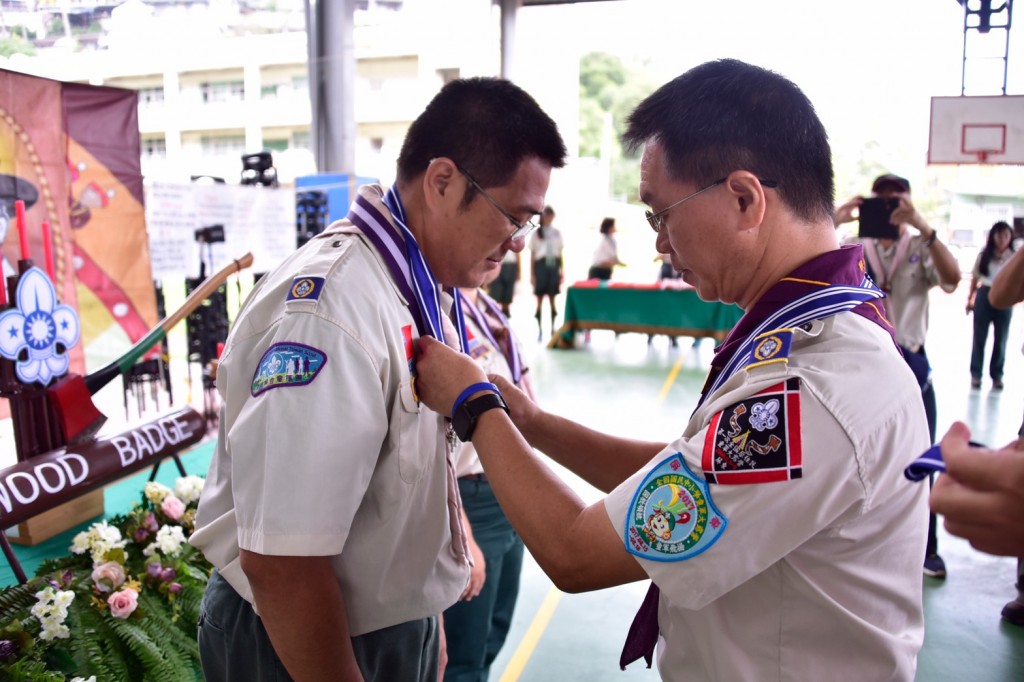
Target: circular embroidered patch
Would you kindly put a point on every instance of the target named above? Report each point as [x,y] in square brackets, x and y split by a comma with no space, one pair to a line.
[672,516]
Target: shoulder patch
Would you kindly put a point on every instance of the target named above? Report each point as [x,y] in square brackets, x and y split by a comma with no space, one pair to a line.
[770,347]
[305,289]
[672,516]
[287,364]
[757,440]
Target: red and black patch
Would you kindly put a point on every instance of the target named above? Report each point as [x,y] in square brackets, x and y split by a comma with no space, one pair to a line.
[757,440]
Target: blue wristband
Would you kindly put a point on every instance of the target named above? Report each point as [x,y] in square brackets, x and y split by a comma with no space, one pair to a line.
[470,390]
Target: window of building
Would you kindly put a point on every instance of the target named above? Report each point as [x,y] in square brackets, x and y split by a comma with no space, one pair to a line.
[300,140]
[268,92]
[151,96]
[275,145]
[223,91]
[154,148]
[222,145]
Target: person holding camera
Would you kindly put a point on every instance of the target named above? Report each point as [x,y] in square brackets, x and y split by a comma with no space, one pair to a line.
[905,263]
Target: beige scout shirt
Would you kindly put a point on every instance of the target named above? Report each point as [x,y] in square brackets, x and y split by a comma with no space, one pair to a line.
[819,577]
[912,279]
[345,463]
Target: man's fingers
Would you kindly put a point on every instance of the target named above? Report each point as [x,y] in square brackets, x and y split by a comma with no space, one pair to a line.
[971,466]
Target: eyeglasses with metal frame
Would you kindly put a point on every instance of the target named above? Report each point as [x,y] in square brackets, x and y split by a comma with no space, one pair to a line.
[522,230]
[657,220]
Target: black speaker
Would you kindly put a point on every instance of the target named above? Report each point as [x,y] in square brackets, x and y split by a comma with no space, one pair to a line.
[207,325]
[310,214]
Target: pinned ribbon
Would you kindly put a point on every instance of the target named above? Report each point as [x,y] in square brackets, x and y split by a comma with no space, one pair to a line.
[929,462]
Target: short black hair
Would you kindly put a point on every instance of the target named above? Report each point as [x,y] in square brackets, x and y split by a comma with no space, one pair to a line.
[607,224]
[488,126]
[727,115]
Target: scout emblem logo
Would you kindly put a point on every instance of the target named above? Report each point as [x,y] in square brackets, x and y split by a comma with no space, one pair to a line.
[770,347]
[757,440]
[305,289]
[672,516]
[287,364]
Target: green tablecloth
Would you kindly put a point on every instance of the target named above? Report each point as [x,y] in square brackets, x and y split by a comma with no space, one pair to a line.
[647,310]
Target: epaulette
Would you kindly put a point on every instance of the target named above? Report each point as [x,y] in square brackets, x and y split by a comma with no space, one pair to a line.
[770,347]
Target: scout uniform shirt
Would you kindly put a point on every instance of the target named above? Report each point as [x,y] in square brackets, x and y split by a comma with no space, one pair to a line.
[323,448]
[780,529]
[907,273]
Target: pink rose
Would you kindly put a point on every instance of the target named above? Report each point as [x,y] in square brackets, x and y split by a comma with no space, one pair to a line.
[172,507]
[123,603]
[108,576]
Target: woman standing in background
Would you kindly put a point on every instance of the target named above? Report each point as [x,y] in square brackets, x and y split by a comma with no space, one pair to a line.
[546,266]
[997,251]
[606,256]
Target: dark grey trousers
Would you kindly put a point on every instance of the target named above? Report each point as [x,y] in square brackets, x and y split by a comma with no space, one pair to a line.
[234,646]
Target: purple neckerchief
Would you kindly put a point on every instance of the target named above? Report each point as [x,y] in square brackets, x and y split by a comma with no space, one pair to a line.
[842,266]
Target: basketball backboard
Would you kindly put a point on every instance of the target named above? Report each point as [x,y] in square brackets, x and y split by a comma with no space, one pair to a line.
[986,130]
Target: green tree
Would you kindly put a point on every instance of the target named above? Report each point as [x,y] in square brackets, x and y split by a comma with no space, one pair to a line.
[608,87]
[14,44]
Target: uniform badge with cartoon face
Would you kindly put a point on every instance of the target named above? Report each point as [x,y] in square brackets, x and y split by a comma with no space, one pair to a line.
[672,516]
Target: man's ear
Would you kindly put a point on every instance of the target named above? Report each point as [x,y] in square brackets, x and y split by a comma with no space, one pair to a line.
[439,185]
[747,197]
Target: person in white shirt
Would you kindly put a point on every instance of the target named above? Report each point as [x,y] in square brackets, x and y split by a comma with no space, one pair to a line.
[606,255]
[546,276]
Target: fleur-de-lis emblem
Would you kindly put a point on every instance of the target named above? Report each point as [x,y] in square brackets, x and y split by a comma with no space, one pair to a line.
[37,325]
[762,415]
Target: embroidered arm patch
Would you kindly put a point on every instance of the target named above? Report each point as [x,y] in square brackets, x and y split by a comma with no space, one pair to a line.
[305,289]
[672,516]
[287,364]
[757,440]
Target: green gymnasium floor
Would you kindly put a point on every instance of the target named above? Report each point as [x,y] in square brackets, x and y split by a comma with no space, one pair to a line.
[623,385]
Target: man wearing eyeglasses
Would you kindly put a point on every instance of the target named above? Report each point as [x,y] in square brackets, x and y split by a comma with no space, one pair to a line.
[331,509]
[781,536]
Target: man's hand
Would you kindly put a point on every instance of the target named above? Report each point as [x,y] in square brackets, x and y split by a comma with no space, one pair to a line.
[844,214]
[906,213]
[981,495]
[442,373]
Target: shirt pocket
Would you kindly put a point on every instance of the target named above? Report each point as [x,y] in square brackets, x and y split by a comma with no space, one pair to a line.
[418,435]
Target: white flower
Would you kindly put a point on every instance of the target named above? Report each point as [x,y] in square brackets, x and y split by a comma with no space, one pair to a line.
[99,539]
[51,610]
[170,539]
[189,488]
[84,679]
[81,543]
[156,492]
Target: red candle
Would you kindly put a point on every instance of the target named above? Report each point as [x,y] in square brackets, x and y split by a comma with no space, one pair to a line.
[19,211]
[48,251]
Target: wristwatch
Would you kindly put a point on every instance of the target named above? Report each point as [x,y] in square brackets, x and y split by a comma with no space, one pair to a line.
[464,419]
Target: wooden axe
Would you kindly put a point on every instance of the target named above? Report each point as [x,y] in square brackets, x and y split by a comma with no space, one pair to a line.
[71,397]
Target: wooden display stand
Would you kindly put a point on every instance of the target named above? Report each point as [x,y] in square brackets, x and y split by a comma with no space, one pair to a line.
[57,520]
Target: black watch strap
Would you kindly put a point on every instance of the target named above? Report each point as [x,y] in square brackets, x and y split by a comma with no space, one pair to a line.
[464,422]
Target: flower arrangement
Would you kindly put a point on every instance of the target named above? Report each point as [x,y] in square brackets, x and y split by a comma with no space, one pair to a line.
[123,606]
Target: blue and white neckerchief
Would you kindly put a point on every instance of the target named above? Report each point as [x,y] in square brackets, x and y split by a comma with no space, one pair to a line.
[407,265]
[817,305]
[515,361]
